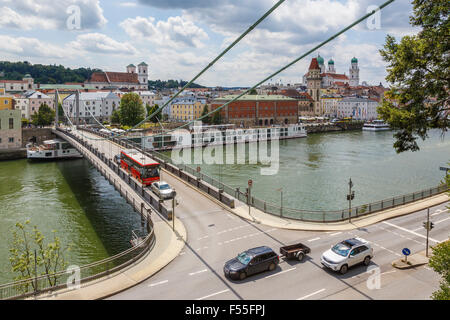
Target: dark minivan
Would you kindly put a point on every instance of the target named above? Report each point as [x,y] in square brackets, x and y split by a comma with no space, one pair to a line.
[250,262]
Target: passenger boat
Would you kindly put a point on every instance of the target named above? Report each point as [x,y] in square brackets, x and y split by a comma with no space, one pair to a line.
[52,149]
[221,134]
[376,125]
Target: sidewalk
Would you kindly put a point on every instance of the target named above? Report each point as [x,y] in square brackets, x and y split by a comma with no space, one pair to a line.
[415,260]
[167,247]
[269,220]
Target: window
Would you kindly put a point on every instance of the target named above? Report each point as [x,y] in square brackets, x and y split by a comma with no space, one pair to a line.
[11,123]
[10,140]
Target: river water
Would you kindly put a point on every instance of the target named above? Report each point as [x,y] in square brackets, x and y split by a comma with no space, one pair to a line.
[314,172]
[70,197]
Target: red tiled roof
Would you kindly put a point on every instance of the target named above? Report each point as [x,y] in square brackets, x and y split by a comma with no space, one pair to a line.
[314,64]
[13,81]
[305,95]
[114,77]
[335,76]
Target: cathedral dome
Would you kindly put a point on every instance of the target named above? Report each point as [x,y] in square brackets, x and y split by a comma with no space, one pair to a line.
[331,61]
[354,60]
[320,60]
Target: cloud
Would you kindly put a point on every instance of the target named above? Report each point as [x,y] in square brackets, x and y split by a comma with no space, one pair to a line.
[100,43]
[32,47]
[49,14]
[128,4]
[174,32]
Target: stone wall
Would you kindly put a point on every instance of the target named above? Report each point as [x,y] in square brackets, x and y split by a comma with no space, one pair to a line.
[12,154]
[37,135]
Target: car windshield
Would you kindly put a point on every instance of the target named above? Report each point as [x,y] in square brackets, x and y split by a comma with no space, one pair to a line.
[244,258]
[164,187]
[341,249]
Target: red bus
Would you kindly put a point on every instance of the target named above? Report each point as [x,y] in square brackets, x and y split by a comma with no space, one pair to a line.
[141,167]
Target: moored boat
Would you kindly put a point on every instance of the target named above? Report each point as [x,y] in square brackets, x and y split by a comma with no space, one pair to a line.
[52,149]
[376,125]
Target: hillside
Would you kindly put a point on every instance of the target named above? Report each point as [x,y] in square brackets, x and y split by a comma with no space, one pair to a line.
[43,73]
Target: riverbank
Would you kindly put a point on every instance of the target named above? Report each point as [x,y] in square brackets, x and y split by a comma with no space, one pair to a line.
[13,154]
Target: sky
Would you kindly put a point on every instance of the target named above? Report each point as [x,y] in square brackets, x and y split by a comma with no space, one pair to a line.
[178,38]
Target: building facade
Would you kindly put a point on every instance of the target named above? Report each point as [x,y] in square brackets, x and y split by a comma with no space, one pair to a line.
[127,81]
[186,108]
[6,103]
[14,86]
[92,104]
[10,129]
[357,108]
[23,104]
[36,99]
[258,110]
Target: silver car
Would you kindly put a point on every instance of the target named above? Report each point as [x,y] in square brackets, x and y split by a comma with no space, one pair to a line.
[162,189]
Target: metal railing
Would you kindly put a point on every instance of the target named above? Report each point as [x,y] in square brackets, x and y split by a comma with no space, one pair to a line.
[295,214]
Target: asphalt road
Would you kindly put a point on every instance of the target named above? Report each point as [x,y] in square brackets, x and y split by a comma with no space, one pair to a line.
[215,236]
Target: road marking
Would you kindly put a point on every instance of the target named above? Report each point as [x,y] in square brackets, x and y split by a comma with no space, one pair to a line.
[335,234]
[441,220]
[197,272]
[410,231]
[213,294]
[387,272]
[311,294]
[315,239]
[203,238]
[276,274]
[158,283]
[181,253]
[439,211]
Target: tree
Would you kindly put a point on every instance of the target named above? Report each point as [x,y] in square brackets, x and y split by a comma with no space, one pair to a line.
[253,92]
[151,110]
[44,117]
[440,262]
[205,112]
[217,117]
[115,117]
[31,257]
[419,73]
[131,109]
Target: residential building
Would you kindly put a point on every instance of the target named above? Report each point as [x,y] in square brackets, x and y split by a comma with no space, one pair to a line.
[36,100]
[251,110]
[187,108]
[23,104]
[92,104]
[10,129]
[6,102]
[357,108]
[329,105]
[27,83]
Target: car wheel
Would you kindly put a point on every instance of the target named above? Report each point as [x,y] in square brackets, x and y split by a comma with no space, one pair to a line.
[272,266]
[344,269]
[300,256]
[242,276]
[367,260]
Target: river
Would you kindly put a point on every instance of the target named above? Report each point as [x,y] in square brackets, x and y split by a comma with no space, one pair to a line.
[70,197]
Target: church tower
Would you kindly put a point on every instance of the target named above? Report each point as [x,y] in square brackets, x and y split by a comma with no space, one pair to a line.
[131,68]
[321,63]
[354,73]
[331,66]
[143,73]
[314,81]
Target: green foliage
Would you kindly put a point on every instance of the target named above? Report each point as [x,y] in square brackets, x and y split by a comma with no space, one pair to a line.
[131,110]
[205,111]
[30,256]
[217,118]
[170,84]
[151,110]
[115,117]
[419,73]
[44,117]
[25,122]
[44,73]
[253,92]
[440,262]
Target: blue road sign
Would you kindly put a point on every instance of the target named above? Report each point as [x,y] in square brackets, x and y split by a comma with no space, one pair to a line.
[406,251]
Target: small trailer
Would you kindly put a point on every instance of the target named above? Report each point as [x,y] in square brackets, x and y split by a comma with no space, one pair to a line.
[295,251]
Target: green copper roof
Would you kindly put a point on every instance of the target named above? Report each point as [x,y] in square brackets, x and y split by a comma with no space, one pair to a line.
[27,76]
[131,65]
[320,60]
[143,64]
[354,60]
[331,61]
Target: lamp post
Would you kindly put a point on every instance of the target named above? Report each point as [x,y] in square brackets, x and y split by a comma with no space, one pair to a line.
[281,202]
[350,197]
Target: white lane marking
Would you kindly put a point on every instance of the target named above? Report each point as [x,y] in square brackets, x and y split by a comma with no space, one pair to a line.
[410,231]
[441,220]
[439,211]
[203,238]
[197,272]
[387,272]
[335,234]
[311,294]
[315,239]
[213,294]
[158,283]
[276,274]
[181,253]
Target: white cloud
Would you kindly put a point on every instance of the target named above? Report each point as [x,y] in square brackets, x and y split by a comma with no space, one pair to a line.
[176,31]
[100,43]
[128,4]
[49,14]
[32,47]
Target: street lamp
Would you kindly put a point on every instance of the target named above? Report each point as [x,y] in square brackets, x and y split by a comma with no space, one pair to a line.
[350,197]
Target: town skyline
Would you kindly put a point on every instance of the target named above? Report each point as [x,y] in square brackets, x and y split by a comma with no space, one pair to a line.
[177,38]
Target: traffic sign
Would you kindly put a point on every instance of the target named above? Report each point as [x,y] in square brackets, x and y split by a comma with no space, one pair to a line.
[406,251]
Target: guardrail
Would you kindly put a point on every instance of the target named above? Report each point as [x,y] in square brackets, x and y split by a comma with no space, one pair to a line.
[59,280]
[227,194]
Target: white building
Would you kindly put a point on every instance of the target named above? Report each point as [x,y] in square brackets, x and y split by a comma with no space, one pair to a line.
[36,99]
[27,83]
[147,97]
[358,108]
[92,104]
[329,106]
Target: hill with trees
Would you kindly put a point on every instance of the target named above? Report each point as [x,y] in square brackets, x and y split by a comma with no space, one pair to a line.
[170,84]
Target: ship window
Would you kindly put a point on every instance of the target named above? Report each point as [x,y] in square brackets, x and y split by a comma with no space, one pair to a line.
[48,154]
